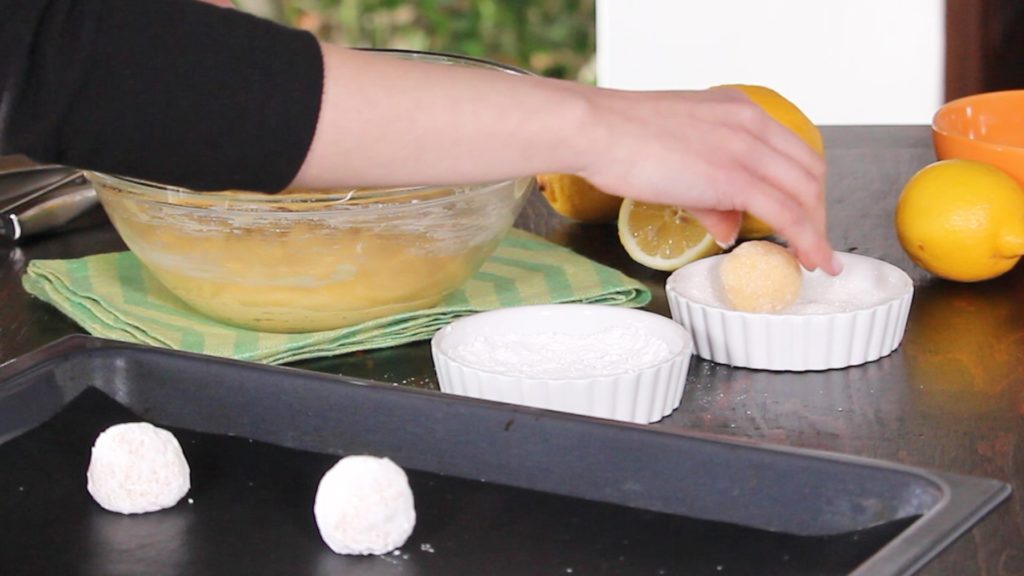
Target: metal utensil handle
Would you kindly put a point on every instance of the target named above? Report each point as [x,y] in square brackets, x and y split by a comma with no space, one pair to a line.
[44,190]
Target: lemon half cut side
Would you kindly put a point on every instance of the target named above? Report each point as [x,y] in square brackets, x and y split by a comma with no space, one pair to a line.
[663,237]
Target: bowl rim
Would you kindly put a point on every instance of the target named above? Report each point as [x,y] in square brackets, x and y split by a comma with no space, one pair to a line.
[813,342]
[315,201]
[440,56]
[904,279]
[937,126]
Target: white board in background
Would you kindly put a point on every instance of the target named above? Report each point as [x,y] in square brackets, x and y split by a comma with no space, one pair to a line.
[841,61]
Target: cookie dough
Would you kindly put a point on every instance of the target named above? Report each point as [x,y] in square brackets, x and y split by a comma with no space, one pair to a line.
[760,276]
[137,468]
[364,505]
[280,269]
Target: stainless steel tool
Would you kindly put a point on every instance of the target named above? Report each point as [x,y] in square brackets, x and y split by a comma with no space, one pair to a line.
[38,199]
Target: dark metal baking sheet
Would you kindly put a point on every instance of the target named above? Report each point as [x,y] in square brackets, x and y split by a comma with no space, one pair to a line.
[500,489]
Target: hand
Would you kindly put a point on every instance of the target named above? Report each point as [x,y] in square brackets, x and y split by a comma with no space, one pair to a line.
[712,152]
[716,154]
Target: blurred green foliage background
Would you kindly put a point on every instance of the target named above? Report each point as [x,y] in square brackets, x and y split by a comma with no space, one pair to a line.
[549,37]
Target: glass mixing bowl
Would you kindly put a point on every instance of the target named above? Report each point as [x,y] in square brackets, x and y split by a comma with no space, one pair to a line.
[301,261]
[307,261]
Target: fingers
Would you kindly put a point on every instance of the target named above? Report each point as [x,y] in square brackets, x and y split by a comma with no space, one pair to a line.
[724,227]
[771,132]
[783,175]
[790,220]
[716,154]
[788,183]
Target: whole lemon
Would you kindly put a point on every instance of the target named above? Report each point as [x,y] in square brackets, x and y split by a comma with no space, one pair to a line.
[578,199]
[962,220]
[789,115]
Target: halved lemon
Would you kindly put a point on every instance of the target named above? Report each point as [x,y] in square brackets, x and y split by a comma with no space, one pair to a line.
[663,237]
[577,199]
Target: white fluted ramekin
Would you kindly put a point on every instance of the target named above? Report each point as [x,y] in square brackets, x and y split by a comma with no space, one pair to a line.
[847,320]
[641,395]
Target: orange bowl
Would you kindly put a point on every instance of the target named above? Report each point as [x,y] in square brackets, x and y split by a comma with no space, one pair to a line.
[985,127]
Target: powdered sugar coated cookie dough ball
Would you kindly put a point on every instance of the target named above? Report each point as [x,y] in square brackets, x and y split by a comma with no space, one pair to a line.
[137,468]
[364,506]
[760,276]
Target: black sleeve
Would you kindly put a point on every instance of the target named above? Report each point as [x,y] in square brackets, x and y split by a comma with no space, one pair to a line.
[172,91]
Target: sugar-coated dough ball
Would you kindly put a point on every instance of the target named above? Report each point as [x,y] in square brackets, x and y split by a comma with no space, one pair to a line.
[760,276]
[364,506]
[137,468]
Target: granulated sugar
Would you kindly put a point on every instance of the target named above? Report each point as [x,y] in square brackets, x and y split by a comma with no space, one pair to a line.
[860,287]
[564,355]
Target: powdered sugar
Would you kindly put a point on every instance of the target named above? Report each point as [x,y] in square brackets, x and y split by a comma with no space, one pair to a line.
[552,354]
[136,467]
[862,285]
[364,506]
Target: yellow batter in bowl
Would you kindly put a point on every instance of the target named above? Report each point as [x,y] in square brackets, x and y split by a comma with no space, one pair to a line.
[307,261]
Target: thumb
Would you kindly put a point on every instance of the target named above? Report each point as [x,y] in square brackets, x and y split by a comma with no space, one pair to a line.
[724,227]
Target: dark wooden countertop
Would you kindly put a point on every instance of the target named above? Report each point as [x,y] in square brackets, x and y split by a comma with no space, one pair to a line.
[951,398]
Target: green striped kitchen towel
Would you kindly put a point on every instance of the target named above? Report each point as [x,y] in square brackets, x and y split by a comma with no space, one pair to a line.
[114,296]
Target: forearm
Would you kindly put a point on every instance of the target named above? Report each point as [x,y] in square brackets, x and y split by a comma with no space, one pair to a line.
[385,122]
[389,121]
